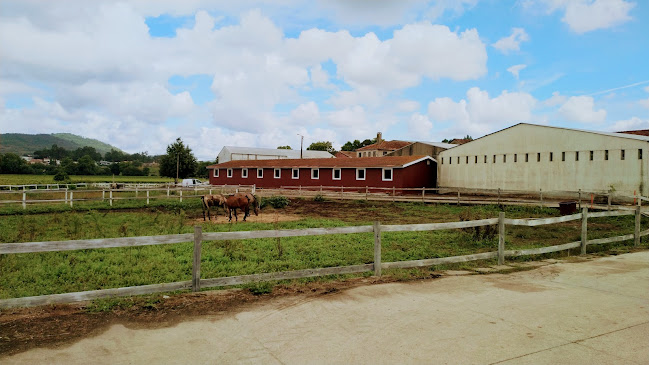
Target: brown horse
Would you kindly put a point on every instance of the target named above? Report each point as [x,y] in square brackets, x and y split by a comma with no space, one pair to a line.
[240,201]
[208,201]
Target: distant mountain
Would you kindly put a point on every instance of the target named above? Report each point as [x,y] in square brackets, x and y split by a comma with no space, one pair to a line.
[24,144]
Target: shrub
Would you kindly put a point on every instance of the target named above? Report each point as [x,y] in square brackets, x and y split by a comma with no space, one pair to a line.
[61,175]
[319,198]
[275,201]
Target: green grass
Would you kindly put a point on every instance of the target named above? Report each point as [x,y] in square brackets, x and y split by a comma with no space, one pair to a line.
[15,179]
[71,271]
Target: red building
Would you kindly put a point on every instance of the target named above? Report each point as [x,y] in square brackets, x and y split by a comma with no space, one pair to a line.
[389,171]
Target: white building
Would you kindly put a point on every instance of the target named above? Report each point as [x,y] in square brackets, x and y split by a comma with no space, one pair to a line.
[531,157]
[229,153]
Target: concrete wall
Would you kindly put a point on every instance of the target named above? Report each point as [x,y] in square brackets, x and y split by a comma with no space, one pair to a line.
[418,149]
[458,166]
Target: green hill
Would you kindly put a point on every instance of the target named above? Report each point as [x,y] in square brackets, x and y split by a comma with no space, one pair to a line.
[23,144]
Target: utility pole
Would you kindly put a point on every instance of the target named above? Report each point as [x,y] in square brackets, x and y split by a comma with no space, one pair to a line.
[301,143]
[177,165]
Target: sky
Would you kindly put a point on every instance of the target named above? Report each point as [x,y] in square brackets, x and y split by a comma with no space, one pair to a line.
[139,74]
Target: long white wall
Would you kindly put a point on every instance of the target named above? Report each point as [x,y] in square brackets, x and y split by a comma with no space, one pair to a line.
[511,171]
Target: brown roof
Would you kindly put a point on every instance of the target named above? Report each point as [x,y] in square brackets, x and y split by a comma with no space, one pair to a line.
[460,140]
[385,161]
[344,154]
[385,145]
[641,132]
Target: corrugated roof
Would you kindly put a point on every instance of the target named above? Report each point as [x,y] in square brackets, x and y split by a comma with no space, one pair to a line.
[365,162]
[385,145]
[277,152]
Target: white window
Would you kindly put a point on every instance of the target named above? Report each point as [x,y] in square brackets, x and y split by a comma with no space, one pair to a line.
[315,174]
[387,174]
[260,173]
[335,174]
[229,172]
[244,173]
[360,174]
[216,172]
[278,173]
[296,173]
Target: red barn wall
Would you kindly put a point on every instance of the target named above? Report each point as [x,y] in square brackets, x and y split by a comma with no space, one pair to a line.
[415,176]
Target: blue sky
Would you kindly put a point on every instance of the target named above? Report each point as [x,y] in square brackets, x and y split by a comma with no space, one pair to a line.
[139,74]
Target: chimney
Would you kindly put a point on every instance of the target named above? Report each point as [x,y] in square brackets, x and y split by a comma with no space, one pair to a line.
[379,137]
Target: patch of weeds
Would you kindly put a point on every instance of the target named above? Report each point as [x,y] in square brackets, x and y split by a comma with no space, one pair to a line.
[260,288]
[275,201]
[319,198]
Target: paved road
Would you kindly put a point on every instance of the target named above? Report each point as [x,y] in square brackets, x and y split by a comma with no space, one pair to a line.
[594,312]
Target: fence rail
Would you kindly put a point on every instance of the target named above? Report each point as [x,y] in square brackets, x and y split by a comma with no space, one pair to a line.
[377,266]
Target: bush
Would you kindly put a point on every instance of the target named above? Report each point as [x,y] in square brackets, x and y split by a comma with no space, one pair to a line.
[61,175]
[275,201]
[319,198]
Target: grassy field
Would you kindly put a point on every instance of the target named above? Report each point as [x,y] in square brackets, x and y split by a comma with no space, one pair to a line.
[9,179]
[70,271]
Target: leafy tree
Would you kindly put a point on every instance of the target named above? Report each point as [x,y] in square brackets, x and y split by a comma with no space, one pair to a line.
[201,170]
[11,163]
[86,151]
[115,156]
[114,168]
[178,153]
[356,144]
[322,146]
[142,157]
[69,166]
[284,147]
[86,166]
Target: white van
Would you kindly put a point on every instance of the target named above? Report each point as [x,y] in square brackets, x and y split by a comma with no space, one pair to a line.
[192,182]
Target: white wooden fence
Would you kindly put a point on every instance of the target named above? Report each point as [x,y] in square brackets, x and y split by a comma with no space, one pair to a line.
[197,283]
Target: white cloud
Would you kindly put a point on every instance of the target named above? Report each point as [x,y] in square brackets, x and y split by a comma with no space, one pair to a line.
[512,42]
[480,114]
[419,127]
[644,103]
[582,109]
[408,106]
[516,69]
[634,123]
[555,99]
[588,15]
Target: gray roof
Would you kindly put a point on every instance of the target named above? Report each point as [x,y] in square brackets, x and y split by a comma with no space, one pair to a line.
[276,152]
[438,144]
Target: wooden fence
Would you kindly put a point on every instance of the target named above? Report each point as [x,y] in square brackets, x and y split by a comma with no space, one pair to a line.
[197,283]
[431,195]
[111,195]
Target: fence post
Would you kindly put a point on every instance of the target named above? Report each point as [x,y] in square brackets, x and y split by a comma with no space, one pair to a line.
[498,196]
[579,198]
[394,193]
[181,195]
[377,248]
[103,195]
[458,197]
[66,195]
[342,190]
[167,190]
[136,192]
[608,200]
[541,195]
[196,267]
[584,229]
[71,198]
[110,197]
[636,233]
[367,190]
[423,191]
[24,200]
[501,238]
[147,197]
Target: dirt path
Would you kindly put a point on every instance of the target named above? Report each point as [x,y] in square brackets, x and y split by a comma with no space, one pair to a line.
[596,311]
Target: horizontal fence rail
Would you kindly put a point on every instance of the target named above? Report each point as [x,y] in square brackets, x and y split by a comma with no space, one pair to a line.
[377,229]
